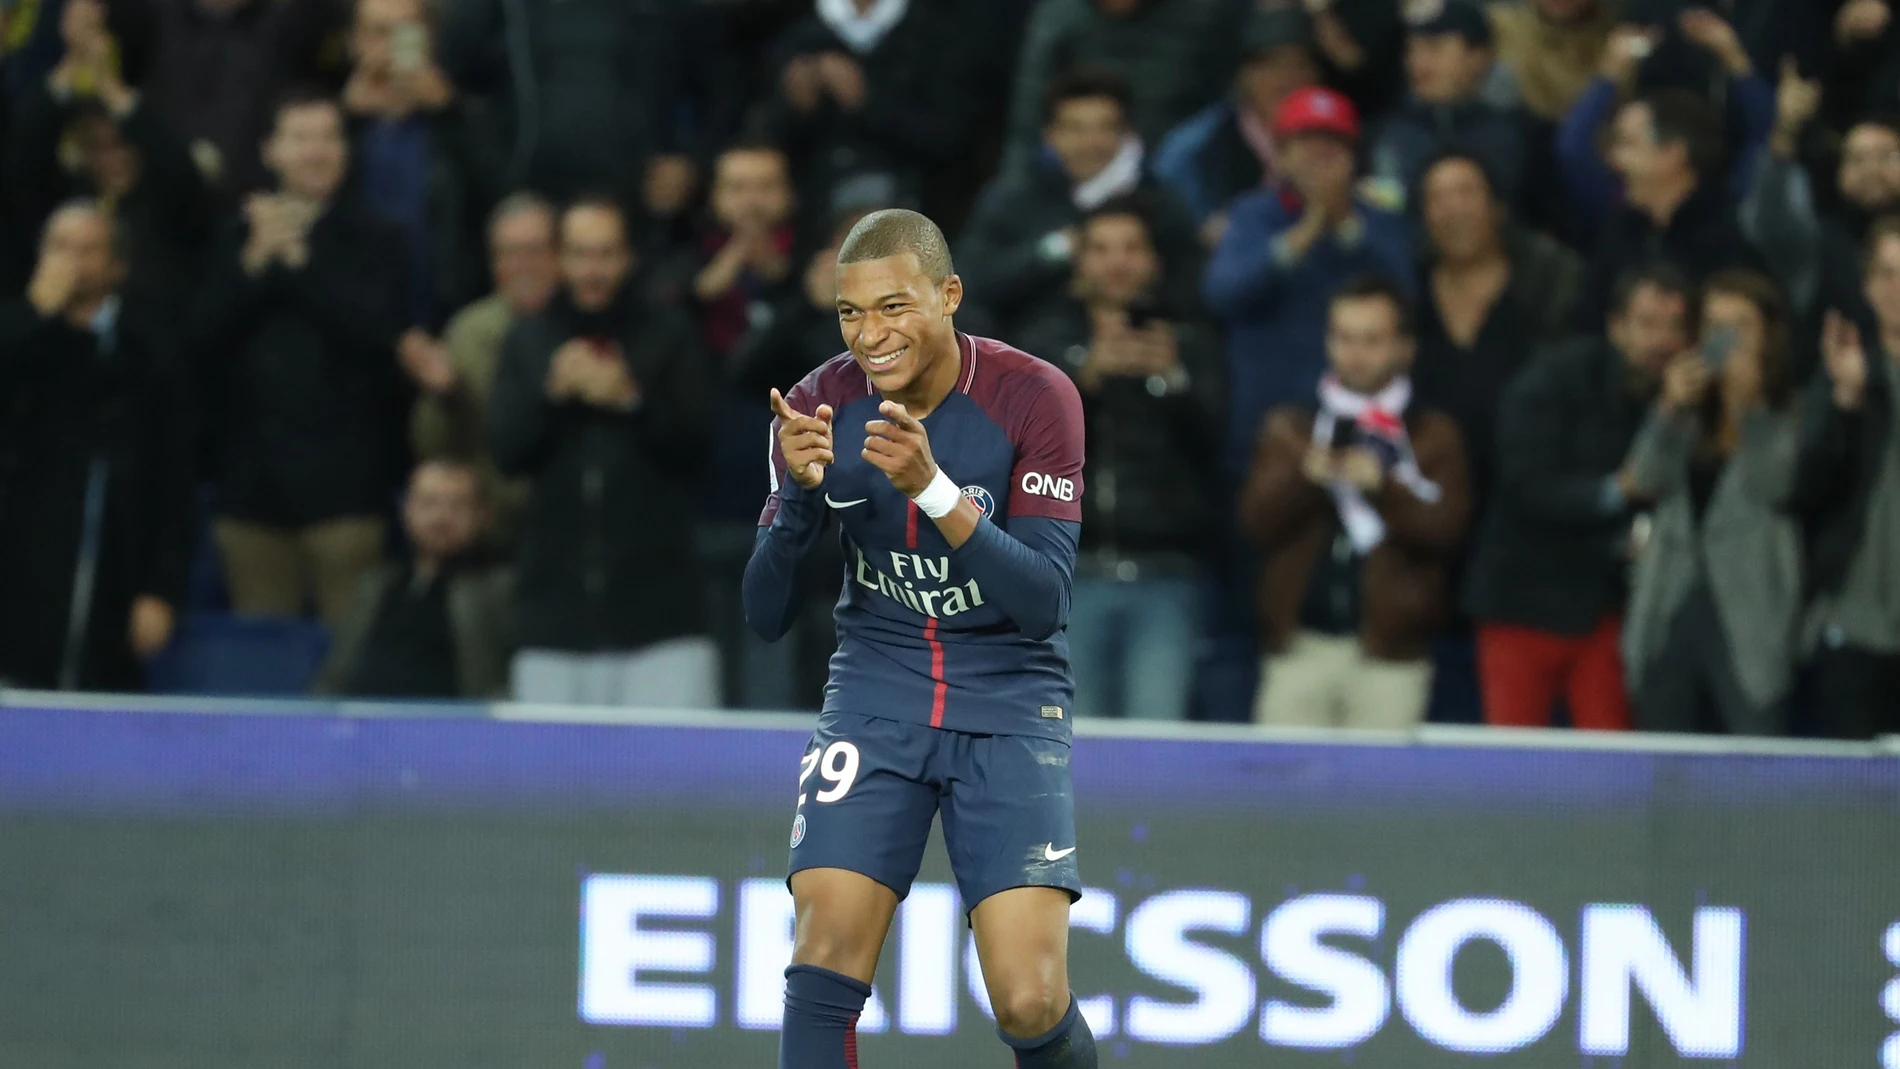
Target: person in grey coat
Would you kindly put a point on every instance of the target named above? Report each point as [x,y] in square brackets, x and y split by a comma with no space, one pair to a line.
[1715,600]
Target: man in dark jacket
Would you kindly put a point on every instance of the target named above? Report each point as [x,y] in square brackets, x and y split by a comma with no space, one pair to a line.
[1227,148]
[216,67]
[1549,577]
[1667,147]
[95,470]
[436,625]
[1151,393]
[1175,55]
[127,157]
[603,402]
[868,100]
[1019,248]
[590,88]
[1847,491]
[1449,55]
[297,322]
[427,161]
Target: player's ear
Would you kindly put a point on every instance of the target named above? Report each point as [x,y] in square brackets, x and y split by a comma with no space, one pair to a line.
[951,290]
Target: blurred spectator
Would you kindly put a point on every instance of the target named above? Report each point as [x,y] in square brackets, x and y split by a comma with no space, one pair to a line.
[588,91]
[1227,148]
[1667,149]
[603,401]
[457,374]
[96,506]
[437,624]
[1356,508]
[1018,253]
[1362,46]
[297,321]
[1599,180]
[1175,55]
[1448,57]
[425,158]
[1847,490]
[742,265]
[1549,574]
[869,97]
[1151,393]
[217,69]
[1552,49]
[1493,294]
[799,332]
[1862,59]
[1285,251]
[1817,255]
[1708,642]
[83,132]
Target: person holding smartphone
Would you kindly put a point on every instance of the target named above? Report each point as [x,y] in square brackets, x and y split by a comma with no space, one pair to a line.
[1708,639]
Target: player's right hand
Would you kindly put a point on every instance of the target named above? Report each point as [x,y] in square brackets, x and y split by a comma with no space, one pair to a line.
[805,441]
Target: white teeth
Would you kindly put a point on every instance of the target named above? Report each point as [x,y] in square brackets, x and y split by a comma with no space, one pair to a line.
[887,359]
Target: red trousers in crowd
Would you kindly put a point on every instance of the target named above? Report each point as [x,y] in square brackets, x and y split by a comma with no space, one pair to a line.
[1522,671]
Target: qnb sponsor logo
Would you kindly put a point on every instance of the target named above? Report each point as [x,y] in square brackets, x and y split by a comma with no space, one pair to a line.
[649,945]
[1035,482]
[918,582]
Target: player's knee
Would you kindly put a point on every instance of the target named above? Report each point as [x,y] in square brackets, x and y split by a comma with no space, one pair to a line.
[843,952]
[1029,1010]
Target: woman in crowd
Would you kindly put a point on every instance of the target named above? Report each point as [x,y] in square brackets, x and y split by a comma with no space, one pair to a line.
[1716,591]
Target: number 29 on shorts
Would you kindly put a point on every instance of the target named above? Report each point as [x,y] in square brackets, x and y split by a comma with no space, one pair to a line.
[836,764]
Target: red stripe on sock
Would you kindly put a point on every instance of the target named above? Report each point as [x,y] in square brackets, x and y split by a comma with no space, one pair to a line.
[851,1043]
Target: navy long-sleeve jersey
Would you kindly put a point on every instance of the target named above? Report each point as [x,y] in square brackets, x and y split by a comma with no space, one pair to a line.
[969,639]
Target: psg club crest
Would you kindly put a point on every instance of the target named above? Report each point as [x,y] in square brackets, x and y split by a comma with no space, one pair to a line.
[798,829]
[976,495]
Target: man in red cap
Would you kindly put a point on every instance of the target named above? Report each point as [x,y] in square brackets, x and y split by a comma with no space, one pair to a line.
[1286,249]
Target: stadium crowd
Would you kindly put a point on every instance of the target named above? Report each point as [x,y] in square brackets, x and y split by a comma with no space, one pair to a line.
[1515,362]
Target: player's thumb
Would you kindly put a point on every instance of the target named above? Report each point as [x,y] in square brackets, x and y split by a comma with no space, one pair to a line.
[824,413]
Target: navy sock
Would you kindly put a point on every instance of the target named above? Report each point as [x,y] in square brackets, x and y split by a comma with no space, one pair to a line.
[821,1019]
[1069,1045]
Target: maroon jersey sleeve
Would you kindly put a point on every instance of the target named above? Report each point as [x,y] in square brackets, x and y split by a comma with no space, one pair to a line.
[802,399]
[1047,478]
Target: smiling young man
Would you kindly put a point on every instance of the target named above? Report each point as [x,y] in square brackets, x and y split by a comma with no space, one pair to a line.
[951,687]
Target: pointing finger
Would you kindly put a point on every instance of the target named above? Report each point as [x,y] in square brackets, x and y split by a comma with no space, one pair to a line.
[878,428]
[900,415]
[781,407]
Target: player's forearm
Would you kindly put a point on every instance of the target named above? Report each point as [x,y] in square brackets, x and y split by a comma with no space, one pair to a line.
[770,588]
[1030,584]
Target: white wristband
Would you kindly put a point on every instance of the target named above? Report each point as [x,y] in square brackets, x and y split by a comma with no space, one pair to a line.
[940,498]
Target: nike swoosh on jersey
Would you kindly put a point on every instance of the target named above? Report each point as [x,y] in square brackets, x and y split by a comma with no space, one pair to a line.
[1050,853]
[844,504]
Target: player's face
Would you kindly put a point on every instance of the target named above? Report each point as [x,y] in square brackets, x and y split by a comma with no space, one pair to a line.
[1365,345]
[894,319]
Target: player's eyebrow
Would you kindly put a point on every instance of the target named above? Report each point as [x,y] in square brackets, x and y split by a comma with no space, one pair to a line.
[900,295]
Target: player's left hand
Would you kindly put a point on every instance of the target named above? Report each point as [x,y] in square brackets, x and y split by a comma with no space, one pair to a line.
[898,446]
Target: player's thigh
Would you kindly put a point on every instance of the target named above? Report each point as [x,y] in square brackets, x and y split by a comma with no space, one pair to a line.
[864,807]
[1022,942]
[1008,814]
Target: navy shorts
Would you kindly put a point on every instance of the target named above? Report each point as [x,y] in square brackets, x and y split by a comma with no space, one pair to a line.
[868,789]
